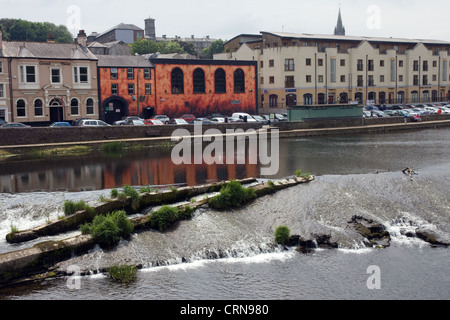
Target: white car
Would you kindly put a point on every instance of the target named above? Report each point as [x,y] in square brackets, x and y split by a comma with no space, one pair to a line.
[218,120]
[180,121]
[431,110]
[242,115]
[93,123]
[445,110]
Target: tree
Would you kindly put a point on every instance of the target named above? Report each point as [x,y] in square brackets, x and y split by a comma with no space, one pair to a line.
[144,46]
[23,30]
[188,47]
[217,46]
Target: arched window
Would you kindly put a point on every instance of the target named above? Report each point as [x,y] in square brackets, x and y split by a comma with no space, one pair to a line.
[343,97]
[291,100]
[414,96]
[400,96]
[382,97]
[90,106]
[359,97]
[199,81]
[38,110]
[426,96]
[239,81]
[307,99]
[177,81]
[220,81]
[372,96]
[321,98]
[74,107]
[21,108]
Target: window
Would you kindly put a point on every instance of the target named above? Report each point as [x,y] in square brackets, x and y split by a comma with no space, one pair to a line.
[320,79]
[90,106]
[434,64]
[27,74]
[147,74]
[371,65]
[342,63]
[308,78]
[400,63]
[400,78]
[320,62]
[273,101]
[262,80]
[56,75]
[271,63]
[360,81]
[381,63]
[416,65]
[444,70]
[177,81]
[2,90]
[425,65]
[290,82]
[333,70]
[38,109]
[271,80]
[416,80]
[289,65]
[114,89]
[370,81]
[308,61]
[307,99]
[239,81]
[434,77]
[199,81]
[80,75]
[382,78]
[1,67]
[21,108]
[114,74]
[359,65]
[342,78]
[148,89]
[74,107]
[220,82]
[131,89]
[130,73]
[261,64]
[425,80]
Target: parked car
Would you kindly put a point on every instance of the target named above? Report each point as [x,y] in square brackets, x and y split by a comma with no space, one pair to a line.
[60,124]
[218,120]
[188,117]
[393,113]
[178,121]
[234,120]
[77,122]
[2,122]
[153,122]
[216,115]
[243,116]
[261,119]
[444,110]
[93,123]
[133,122]
[123,122]
[165,119]
[15,125]
[432,110]
[200,120]
[280,117]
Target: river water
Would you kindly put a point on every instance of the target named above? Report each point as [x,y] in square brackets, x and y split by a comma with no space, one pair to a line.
[355,175]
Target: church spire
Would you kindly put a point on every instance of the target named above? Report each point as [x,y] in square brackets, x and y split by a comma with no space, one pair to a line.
[339,30]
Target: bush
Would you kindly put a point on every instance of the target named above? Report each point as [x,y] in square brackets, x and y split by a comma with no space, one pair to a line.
[163,218]
[282,235]
[233,195]
[300,174]
[134,195]
[71,207]
[114,193]
[107,230]
[122,274]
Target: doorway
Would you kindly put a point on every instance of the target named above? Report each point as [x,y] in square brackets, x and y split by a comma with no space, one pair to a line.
[114,109]
[56,110]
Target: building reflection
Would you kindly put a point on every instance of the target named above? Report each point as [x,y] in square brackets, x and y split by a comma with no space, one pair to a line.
[108,173]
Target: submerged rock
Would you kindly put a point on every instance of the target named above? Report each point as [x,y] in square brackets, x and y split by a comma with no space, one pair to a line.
[430,237]
[374,232]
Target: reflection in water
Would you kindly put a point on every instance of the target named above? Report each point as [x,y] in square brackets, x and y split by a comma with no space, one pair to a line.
[341,155]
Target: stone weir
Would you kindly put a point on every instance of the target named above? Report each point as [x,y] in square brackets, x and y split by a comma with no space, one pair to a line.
[36,263]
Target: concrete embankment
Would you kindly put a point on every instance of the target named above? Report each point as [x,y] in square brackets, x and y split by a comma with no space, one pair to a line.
[35,263]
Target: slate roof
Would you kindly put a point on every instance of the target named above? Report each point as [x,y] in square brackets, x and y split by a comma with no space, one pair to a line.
[44,50]
[123,62]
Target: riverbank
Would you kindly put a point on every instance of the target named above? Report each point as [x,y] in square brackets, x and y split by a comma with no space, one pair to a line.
[36,139]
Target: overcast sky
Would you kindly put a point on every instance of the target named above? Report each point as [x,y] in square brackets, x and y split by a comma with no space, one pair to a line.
[227,18]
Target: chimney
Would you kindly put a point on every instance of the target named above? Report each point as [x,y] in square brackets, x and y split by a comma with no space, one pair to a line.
[51,39]
[192,37]
[82,38]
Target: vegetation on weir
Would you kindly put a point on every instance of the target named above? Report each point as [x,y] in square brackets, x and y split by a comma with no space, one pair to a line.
[232,195]
[166,217]
[301,174]
[122,274]
[282,235]
[107,230]
[70,207]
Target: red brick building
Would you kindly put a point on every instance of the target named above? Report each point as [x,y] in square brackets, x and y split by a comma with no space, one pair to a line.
[131,85]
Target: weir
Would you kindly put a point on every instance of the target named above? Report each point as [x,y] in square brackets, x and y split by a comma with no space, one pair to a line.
[25,265]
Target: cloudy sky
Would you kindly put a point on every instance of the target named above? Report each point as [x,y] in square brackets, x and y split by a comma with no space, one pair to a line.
[228,18]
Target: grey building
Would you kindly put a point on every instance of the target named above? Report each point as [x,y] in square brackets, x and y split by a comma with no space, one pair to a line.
[128,33]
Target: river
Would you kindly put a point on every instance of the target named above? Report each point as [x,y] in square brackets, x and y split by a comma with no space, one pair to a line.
[355,175]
